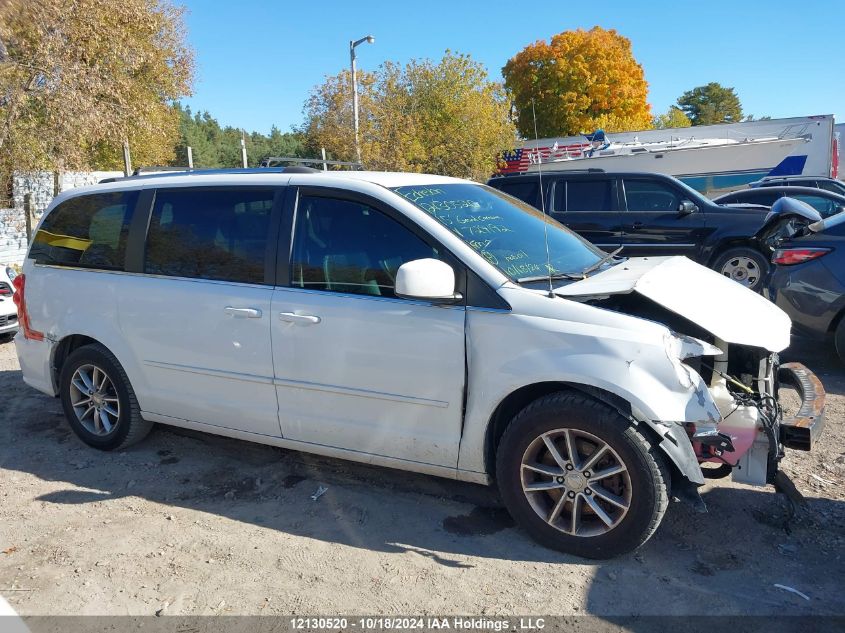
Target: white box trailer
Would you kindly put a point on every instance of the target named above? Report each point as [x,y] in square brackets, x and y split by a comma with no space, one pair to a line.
[710,158]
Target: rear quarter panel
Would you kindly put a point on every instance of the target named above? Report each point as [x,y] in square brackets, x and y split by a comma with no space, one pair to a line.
[813,293]
[65,301]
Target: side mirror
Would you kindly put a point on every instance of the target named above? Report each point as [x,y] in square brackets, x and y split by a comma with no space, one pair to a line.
[686,207]
[428,280]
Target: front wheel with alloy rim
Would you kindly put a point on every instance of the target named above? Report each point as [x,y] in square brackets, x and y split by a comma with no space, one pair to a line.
[579,478]
[99,401]
[744,265]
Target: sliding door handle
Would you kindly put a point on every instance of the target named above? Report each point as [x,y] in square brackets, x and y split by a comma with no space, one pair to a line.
[243,313]
[304,319]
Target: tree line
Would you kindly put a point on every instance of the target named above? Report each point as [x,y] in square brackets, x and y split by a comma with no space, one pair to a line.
[80,77]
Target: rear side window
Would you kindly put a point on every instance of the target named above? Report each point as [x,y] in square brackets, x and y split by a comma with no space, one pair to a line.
[824,206]
[766,198]
[525,190]
[829,185]
[86,231]
[583,195]
[215,233]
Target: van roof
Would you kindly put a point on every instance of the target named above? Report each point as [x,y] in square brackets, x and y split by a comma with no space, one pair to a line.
[272,175]
[259,177]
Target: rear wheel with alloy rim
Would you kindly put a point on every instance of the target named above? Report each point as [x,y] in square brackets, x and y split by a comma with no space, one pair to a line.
[743,265]
[580,478]
[99,401]
[94,400]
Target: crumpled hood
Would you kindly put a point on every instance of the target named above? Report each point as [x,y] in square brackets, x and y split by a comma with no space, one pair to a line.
[721,306]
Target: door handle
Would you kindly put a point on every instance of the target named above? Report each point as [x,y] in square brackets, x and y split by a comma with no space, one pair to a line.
[243,313]
[637,226]
[304,319]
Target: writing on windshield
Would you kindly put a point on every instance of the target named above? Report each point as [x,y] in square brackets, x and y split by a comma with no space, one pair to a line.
[506,232]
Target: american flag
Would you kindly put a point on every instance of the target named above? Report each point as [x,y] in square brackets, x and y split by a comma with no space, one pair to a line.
[515,161]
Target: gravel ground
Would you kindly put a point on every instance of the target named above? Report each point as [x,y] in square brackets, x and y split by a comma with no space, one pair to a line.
[193,524]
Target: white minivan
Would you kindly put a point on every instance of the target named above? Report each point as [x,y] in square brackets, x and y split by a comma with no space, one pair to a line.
[419,322]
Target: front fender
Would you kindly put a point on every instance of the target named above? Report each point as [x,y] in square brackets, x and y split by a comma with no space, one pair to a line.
[634,359]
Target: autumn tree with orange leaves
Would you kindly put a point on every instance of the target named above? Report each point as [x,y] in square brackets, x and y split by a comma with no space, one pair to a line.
[580,81]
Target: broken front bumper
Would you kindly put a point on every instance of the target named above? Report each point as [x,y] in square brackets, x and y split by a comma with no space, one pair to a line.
[801,430]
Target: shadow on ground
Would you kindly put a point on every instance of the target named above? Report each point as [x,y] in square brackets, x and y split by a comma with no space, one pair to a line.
[726,561]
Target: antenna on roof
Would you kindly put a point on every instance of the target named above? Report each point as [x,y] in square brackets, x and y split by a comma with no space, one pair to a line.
[543,205]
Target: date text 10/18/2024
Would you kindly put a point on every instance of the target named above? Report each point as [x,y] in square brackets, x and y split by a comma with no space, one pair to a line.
[417,623]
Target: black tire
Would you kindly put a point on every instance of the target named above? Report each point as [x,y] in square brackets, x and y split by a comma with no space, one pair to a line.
[648,476]
[839,339]
[745,265]
[130,427]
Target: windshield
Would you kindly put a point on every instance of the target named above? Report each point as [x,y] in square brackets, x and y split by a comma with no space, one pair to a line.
[507,232]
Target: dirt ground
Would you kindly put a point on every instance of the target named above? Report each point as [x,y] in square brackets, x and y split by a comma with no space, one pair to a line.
[193,524]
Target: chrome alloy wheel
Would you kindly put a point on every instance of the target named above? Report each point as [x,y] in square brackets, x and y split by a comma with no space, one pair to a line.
[743,270]
[94,400]
[576,482]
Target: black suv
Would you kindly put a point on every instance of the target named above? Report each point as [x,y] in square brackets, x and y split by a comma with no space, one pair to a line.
[650,214]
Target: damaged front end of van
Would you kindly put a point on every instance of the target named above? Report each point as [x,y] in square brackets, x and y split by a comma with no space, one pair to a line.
[729,338]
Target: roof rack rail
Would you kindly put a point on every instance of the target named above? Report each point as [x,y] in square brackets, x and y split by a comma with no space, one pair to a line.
[266,166]
[549,169]
[151,172]
[275,161]
[159,168]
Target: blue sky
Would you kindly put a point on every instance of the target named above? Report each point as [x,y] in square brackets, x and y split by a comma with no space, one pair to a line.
[257,60]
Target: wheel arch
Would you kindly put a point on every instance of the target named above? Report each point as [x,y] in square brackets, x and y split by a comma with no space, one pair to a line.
[836,320]
[680,458]
[64,348]
[517,400]
[732,242]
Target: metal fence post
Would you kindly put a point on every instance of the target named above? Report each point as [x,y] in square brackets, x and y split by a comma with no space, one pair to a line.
[27,210]
[127,160]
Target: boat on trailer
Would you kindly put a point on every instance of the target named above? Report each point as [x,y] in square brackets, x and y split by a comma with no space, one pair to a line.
[710,158]
[676,156]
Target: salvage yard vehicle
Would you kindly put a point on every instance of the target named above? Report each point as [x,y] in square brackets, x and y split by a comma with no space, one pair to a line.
[8,310]
[649,214]
[419,322]
[807,279]
[819,182]
[827,203]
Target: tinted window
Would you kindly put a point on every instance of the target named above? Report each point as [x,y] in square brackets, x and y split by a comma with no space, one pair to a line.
[767,199]
[345,246]
[751,197]
[824,206]
[832,185]
[584,195]
[526,190]
[651,195]
[87,231]
[210,233]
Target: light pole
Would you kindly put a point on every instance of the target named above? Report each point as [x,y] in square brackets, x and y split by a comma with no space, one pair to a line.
[352,44]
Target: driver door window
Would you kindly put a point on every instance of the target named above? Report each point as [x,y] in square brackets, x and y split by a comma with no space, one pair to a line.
[345,246]
[653,224]
[650,196]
